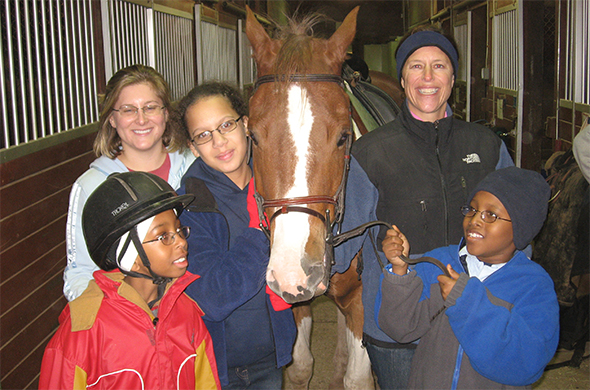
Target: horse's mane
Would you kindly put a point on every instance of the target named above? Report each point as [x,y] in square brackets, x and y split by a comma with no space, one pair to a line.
[297,36]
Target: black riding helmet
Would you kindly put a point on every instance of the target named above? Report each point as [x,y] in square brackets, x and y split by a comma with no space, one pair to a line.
[121,202]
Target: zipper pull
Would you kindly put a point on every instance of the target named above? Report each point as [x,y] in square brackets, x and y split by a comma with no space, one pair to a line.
[463,182]
[155,321]
[423,205]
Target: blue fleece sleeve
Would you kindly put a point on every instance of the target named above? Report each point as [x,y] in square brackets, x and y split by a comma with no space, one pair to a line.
[228,278]
[504,160]
[359,208]
[510,344]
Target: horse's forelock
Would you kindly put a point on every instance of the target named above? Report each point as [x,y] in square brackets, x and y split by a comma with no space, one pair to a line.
[296,52]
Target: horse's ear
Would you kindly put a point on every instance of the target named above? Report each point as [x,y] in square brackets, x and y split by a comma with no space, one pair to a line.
[260,41]
[343,37]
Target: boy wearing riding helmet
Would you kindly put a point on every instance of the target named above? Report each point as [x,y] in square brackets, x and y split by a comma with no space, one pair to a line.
[133,327]
[494,322]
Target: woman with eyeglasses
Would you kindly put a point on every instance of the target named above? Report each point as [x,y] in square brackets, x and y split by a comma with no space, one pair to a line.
[133,136]
[253,330]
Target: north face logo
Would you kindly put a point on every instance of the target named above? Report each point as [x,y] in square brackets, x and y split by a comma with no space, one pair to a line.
[472,158]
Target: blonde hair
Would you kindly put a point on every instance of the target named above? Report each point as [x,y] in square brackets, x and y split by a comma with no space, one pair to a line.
[108,142]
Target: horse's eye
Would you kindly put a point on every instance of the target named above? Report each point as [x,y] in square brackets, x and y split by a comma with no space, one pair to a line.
[343,139]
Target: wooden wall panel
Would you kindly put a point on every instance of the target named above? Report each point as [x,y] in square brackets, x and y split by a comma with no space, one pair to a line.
[26,374]
[30,337]
[20,168]
[35,192]
[26,370]
[29,220]
[28,250]
[25,192]
[23,292]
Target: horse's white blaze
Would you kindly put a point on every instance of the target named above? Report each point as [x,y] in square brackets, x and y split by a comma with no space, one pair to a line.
[292,229]
[358,371]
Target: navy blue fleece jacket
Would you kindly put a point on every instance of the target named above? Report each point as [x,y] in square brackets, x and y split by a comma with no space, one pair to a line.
[231,260]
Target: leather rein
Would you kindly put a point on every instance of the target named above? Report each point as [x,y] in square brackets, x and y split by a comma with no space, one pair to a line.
[298,204]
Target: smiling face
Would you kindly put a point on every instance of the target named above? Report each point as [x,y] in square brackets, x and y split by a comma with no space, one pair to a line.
[139,133]
[491,242]
[169,261]
[226,153]
[427,79]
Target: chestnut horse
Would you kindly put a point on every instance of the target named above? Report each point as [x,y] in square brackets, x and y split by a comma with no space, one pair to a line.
[300,126]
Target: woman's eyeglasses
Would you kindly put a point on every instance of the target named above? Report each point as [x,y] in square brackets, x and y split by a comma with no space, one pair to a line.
[128,111]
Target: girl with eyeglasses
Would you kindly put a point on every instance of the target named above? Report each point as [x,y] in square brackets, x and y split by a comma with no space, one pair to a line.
[253,330]
[133,135]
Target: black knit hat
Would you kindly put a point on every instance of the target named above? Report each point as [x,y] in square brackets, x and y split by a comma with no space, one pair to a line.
[524,194]
[421,39]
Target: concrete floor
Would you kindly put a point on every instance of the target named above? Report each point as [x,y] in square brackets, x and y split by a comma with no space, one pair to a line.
[324,340]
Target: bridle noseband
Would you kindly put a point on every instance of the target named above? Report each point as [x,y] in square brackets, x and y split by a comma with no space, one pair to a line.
[298,204]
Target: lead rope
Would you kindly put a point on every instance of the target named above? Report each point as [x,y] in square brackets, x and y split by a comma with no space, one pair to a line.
[361,229]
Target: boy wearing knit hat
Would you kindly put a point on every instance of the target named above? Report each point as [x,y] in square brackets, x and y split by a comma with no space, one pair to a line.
[495,321]
[423,165]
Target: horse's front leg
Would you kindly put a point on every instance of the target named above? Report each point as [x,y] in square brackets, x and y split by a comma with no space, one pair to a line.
[346,290]
[299,371]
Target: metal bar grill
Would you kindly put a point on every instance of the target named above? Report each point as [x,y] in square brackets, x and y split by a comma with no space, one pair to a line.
[578,52]
[505,49]
[175,52]
[128,38]
[46,59]
[48,68]
[460,35]
[247,69]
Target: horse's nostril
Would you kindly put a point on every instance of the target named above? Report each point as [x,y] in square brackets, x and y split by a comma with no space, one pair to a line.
[274,286]
[270,276]
[304,295]
[316,275]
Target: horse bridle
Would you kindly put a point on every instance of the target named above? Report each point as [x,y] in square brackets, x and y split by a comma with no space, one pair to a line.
[296,204]
[300,203]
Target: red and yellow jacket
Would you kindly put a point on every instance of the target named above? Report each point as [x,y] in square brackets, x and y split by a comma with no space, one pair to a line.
[109,339]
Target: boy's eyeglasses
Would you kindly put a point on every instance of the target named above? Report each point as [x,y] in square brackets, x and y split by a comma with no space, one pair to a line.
[486,216]
[224,128]
[168,238]
[128,111]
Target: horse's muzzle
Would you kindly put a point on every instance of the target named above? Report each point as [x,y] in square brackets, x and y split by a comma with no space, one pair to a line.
[314,283]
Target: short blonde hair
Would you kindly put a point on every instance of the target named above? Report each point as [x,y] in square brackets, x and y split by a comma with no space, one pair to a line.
[108,142]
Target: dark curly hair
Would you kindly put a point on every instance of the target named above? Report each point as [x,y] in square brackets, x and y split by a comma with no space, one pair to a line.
[205,90]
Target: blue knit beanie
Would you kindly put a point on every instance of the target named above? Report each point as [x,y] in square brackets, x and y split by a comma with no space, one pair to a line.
[421,39]
[524,194]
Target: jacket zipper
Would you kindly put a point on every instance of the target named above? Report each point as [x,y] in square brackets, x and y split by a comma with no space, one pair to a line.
[464,185]
[443,186]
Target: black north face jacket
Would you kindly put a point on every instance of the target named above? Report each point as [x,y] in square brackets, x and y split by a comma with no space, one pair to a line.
[425,172]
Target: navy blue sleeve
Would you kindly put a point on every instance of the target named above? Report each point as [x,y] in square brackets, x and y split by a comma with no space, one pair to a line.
[359,208]
[228,278]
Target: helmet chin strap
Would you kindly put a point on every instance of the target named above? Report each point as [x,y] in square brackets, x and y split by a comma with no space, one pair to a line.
[158,280]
